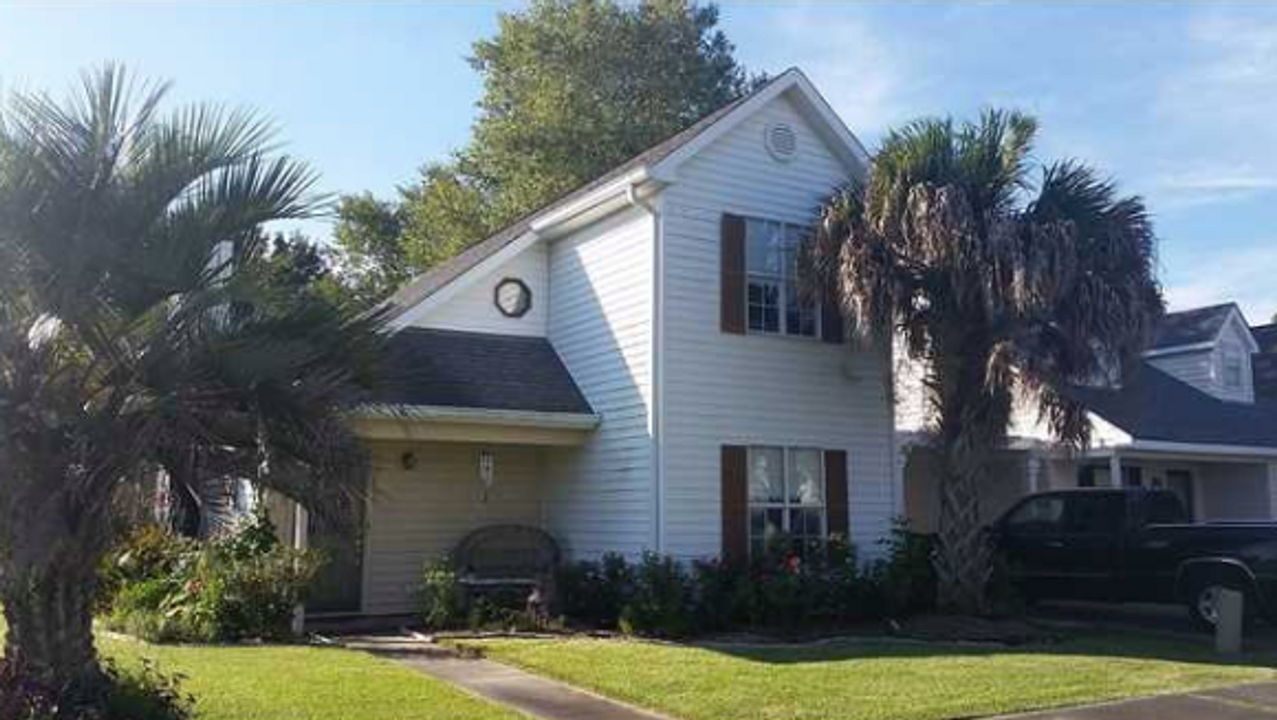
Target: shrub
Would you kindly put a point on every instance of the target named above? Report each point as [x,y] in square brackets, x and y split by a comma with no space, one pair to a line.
[594,592]
[443,604]
[660,601]
[906,576]
[243,586]
[146,553]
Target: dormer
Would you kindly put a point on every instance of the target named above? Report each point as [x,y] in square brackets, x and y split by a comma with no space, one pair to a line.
[1209,348]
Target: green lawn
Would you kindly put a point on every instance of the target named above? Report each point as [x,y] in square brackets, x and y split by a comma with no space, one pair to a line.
[856,681]
[304,683]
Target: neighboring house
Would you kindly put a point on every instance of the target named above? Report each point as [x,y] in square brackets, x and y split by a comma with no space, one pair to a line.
[1187,419]
[632,368]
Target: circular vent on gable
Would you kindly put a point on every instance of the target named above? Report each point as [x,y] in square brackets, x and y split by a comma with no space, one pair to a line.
[781,141]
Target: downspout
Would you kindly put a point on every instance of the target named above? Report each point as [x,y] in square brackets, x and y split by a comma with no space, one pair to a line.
[658,362]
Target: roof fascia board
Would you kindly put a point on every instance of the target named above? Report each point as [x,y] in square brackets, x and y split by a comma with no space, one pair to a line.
[466,279]
[547,224]
[1166,446]
[479,416]
[1177,349]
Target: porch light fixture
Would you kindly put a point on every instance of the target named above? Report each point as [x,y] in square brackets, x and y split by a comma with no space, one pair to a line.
[487,472]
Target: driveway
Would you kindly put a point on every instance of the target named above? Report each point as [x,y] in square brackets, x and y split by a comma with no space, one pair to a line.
[1158,618]
[1241,702]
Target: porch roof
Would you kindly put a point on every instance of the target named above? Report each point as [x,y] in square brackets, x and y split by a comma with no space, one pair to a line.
[1154,406]
[469,371]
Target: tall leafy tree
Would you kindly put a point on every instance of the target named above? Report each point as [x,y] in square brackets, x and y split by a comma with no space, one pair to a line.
[141,328]
[1000,276]
[571,89]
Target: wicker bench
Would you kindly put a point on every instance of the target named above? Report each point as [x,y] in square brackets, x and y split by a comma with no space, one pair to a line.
[508,557]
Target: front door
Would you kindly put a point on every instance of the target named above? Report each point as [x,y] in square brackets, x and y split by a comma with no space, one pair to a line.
[338,586]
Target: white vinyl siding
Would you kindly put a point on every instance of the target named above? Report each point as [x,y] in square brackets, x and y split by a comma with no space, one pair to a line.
[473,309]
[602,494]
[418,515]
[723,389]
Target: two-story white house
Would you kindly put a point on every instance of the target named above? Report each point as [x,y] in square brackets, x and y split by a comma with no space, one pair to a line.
[633,368]
[1187,420]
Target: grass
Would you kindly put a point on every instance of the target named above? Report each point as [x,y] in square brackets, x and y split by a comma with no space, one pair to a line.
[872,681]
[302,683]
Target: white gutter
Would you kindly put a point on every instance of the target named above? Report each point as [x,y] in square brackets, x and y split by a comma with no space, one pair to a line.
[1197,448]
[658,361]
[479,416]
[1177,349]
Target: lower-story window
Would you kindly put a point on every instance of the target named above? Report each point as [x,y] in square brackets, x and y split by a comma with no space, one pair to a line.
[786,499]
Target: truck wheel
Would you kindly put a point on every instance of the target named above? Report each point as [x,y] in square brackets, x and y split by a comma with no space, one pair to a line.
[1203,601]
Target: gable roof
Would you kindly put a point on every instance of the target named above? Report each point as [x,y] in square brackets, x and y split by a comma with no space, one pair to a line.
[431,281]
[1152,405]
[1190,327]
[478,371]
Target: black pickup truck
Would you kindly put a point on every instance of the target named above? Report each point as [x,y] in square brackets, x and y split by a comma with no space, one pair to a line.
[1134,545]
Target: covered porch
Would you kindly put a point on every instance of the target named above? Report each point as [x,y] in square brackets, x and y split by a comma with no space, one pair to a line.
[476,432]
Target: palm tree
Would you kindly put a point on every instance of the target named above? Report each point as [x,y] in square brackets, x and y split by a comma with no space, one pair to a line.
[1001,278]
[139,332]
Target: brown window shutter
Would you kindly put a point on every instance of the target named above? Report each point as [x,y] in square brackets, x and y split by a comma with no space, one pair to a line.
[732,275]
[831,330]
[735,504]
[836,492]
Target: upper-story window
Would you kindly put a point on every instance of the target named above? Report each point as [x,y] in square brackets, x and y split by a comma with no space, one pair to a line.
[1233,368]
[776,302]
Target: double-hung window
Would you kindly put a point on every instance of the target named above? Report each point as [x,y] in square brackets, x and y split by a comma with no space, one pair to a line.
[777,301]
[786,498]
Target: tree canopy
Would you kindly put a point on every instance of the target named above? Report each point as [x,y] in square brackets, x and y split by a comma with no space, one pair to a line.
[571,88]
[1002,278]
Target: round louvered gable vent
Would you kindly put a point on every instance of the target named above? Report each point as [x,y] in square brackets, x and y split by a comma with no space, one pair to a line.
[781,141]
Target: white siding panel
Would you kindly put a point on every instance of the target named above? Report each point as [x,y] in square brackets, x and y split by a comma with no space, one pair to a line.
[418,515]
[473,310]
[730,389]
[601,498]
[1196,368]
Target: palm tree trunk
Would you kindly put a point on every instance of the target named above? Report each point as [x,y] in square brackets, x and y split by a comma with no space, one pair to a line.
[50,617]
[963,561]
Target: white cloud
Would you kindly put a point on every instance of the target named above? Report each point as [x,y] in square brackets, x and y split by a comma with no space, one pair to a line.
[1242,276]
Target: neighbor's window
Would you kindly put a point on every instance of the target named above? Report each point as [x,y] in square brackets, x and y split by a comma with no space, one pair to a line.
[1232,369]
[776,302]
[786,498]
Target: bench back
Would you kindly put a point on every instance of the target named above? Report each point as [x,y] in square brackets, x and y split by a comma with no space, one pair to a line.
[507,552]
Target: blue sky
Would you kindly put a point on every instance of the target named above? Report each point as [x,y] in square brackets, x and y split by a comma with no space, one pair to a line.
[1177,101]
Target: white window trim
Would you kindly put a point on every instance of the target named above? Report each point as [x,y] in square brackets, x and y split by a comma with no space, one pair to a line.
[785,505]
[781,279]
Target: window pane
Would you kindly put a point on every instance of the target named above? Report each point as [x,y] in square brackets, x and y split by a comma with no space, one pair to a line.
[766,475]
[800,314]
[1040,515]
[763,245]
[764,305]
[806,482]
[775,520]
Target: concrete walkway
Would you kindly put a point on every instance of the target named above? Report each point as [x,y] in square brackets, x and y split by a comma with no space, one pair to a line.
[1241,702]
[502,684]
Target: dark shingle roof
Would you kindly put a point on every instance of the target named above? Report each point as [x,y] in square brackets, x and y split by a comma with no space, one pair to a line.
[1155,406]
[446,368]
[1191,326]
[1266,337]
[425,285]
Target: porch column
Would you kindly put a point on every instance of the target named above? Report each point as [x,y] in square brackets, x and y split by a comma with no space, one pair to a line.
[1033,471]
[898,461]
[1115,470]
[301,539]
[1272,491]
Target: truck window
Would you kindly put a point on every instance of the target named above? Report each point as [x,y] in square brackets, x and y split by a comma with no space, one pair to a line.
[1164,509]
[1094,514]
[1037,516]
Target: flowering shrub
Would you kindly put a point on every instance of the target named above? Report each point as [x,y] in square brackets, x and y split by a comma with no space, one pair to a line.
[168,589]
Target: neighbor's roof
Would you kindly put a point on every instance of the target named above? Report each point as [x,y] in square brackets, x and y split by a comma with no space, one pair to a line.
[426,284]
[1190,327]
[1266,337]
[453,369]
[1155,406]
